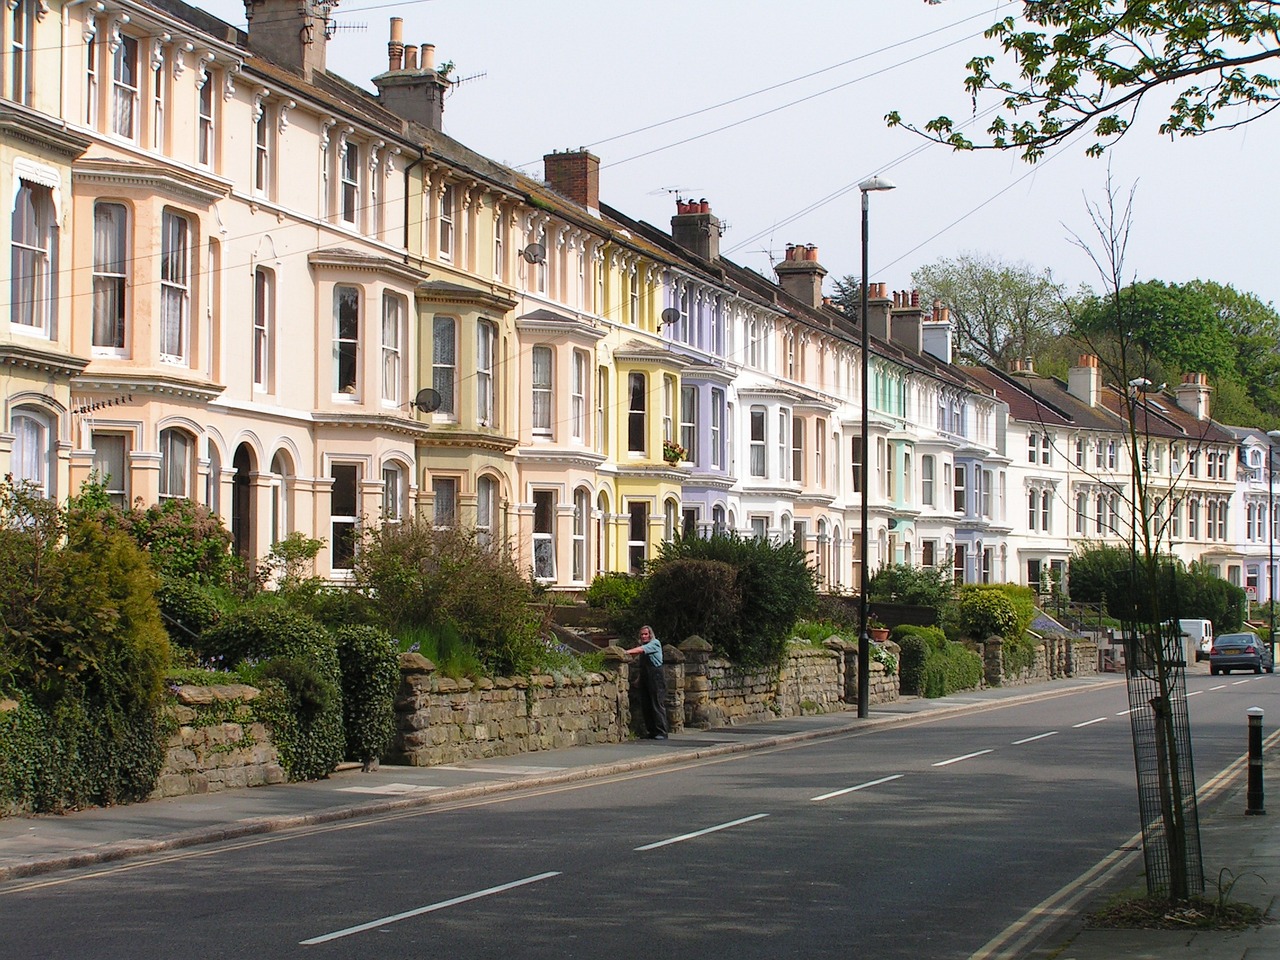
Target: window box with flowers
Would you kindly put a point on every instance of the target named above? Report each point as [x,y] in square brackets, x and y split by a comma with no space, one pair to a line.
[672,452]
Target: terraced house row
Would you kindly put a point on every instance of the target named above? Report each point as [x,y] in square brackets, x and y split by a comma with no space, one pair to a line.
[238,278]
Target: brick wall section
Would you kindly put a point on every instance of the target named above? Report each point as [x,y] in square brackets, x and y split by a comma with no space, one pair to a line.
[220,756]
[439,720]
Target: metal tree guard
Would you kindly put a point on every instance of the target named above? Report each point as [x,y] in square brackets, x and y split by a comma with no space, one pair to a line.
[1156,677]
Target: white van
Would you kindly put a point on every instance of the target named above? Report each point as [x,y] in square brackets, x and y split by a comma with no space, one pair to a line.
[1198,635]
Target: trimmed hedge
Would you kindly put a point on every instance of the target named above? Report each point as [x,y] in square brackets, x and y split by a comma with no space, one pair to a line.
[370,679]
[296,661]
[930,665]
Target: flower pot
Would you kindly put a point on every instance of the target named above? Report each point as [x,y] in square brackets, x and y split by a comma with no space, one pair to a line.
[878,634]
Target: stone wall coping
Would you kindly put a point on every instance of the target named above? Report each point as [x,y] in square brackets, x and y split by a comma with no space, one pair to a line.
[695,644]
[194,695]
[416,663]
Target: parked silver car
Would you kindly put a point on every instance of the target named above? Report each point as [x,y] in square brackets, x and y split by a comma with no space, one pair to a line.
[1240,651]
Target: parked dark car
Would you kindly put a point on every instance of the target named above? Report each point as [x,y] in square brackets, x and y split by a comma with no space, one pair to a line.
[1240,651]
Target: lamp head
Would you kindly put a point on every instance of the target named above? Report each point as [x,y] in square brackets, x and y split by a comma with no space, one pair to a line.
[876,183]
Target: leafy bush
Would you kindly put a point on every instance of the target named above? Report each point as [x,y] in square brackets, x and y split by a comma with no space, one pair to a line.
[187,609]
[987,611]
[932,665]
[183,539]
[298,668]
[687,596]
[83,650]
[616,594]
[370,678]
[904,583]
[424,576]
[775,583]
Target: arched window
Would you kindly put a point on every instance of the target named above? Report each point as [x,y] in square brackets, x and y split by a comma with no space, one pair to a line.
[34,258]
[486,510]
[602,531]
[177,464]
[395,493]
[32,459]
[581,512]
[281,496]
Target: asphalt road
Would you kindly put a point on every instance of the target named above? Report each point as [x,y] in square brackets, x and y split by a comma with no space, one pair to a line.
[921,840]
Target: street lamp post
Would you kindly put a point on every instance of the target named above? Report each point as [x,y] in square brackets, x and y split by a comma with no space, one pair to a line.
[1272,437]
[864,638]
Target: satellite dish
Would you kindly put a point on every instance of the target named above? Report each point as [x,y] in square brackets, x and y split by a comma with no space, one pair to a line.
[534,253]
[427,400]
[670,315]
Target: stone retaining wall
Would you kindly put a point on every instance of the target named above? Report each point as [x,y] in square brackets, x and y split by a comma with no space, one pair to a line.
[1056,657]
[217,745]
[439,720]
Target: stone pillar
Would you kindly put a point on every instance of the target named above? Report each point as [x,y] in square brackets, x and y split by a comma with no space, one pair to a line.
[993,661]
[848,653]
[617,663]
[413,719]
[697,685]
[673,673]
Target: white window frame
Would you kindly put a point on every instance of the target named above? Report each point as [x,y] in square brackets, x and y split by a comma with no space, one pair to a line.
[394,310]
[486,399]
[717,428]
[689,421]
[637,413]
[115,482]
[759,442]
[349,182]
[348,307]
[177,464]
[444,510]
[344,525]
[206,107]
[124,88]
[175,287]
[444,364]
[264,326]
[578,396]
[542,385]
[110,279]
[446,214]
[34,243]
[544,535]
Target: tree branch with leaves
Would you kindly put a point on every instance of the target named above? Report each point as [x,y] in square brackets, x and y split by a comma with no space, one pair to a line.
[1086,66]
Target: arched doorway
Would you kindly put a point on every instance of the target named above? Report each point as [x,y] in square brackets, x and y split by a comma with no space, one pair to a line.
[242,519]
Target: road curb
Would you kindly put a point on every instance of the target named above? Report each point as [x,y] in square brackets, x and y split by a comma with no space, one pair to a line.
[257,826]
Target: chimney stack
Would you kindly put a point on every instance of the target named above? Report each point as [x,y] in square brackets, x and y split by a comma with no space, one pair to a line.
[410,89]
[575,175]
[1084,381]
[697,229]
[290,34]
[1193,395]
[936,333]
[906,320]
[801,275]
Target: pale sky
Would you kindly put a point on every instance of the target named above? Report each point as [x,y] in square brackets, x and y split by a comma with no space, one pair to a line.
[560,74]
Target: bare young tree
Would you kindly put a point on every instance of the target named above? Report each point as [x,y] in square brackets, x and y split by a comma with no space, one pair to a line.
[1154,657]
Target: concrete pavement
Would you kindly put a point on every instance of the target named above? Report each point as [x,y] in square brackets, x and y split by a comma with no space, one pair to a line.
[31,846]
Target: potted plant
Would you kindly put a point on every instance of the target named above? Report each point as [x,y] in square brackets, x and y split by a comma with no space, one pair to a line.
[877,630]
[672,452]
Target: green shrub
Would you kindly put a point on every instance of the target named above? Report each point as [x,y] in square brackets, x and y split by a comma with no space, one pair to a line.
[774,580]
[423,576]
[297,665]
[615,593]
[986,611]
[932,665]
[83,650]
[370,667]
[913,659]
[187,609]
[183,539]
[904,583]
[687,596]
